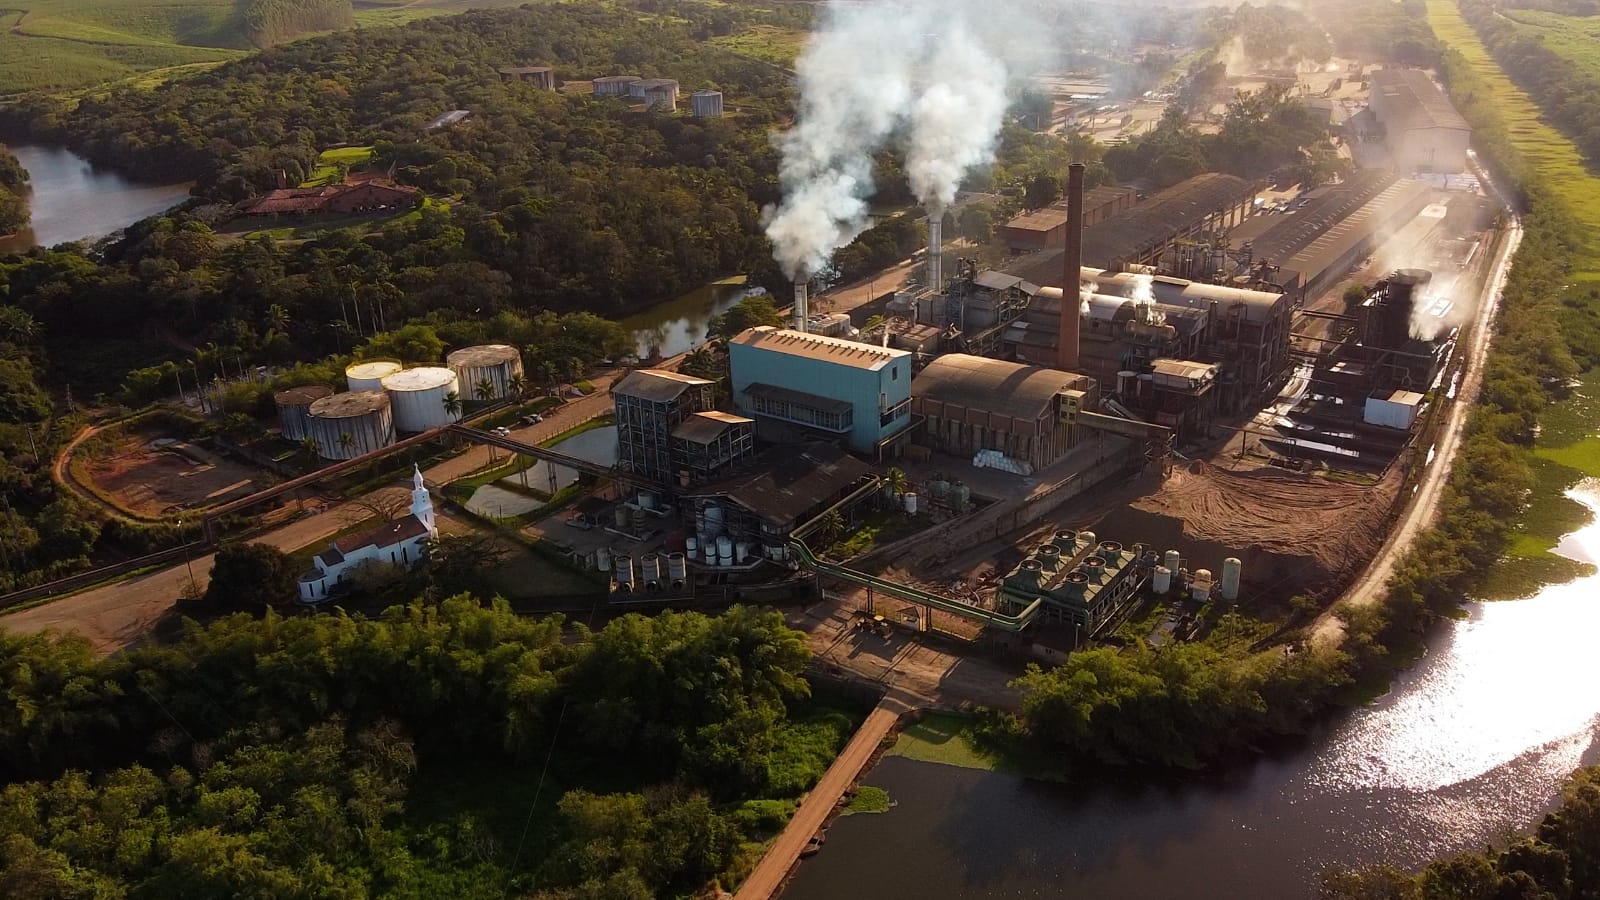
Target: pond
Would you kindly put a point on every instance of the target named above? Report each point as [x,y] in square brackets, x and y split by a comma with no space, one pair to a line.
[69,199]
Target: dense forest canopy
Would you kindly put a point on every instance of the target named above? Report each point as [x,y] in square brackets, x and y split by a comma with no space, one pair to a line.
[332,756]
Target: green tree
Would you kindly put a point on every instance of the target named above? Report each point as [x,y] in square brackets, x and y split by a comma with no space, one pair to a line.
[484,390]
[414,343]
[452,405]
[896,481]
[251,576]
[750,312]
[518,385]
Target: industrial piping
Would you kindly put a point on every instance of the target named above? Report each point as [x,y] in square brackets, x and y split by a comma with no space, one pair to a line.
[1071,274]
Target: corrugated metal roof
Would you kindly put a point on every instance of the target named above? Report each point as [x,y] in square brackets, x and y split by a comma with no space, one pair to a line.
[1417,101]
[1182,368]
[819,347]
[993,385]
[1131,233]
[790,482]
[656,385]
[705,427]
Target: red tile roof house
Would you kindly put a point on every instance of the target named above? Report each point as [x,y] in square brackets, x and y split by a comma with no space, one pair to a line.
[354,195]
[398,543]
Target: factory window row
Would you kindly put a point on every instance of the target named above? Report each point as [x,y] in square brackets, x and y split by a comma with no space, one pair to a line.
[801,414]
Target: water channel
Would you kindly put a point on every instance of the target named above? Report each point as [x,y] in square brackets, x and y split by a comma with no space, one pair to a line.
[679,325]
[1470,746]
[69,200]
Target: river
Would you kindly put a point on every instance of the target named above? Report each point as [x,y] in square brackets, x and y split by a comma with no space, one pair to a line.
[679,325]
[68,199]
[1470,745]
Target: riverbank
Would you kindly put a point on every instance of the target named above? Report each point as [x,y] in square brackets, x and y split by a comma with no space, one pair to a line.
[70,200]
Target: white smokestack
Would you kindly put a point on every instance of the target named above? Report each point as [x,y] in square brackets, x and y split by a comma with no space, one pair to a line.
[800,309]
[935,247]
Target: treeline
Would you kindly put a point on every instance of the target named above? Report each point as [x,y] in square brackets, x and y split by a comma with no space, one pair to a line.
[268,22]
[1380,29]
[1560,860]
[13,186]
[336,756]
[1260,134]
[1566,92]
[1194,706]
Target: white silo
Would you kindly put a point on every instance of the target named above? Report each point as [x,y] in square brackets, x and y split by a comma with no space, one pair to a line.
[1232,568]
[1161,582]
[369,376]
[492,364]
[422,398]
[677,569]
[294,409]
[622,569]
[1200,587]
[650,568]
[724,551]
[349,425]
[1172,560]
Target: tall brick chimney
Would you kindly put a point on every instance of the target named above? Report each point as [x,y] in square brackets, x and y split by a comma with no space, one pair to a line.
[1071,273]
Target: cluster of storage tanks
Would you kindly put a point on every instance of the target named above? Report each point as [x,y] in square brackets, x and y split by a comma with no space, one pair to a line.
[1199,584]
[386,398]
[655,571]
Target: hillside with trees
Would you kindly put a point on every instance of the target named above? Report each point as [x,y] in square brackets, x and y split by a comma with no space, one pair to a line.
[268,22]
[13,193]
[452,751]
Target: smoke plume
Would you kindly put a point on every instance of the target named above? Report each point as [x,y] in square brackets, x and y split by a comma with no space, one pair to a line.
[931,77]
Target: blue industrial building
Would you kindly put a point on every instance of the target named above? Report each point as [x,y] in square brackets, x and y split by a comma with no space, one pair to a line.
[800,386]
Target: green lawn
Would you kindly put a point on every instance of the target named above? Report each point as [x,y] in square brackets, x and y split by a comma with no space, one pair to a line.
[332,163]
[942,739]
[1575,37]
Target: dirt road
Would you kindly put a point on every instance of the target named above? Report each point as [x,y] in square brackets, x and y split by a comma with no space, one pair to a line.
[1328,630]
[774,867]
[850,296]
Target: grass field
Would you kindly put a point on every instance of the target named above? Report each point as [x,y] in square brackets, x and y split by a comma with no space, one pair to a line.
[1567,449]
[1541,144]
[779,46]
[1575,37]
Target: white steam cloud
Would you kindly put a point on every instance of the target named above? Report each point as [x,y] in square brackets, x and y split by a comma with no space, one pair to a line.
[931,77]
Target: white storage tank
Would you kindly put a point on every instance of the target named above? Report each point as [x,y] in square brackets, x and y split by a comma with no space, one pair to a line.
[741,552]
[724,551]
[1201,586]
[419,396]
[1232,568]
[650,568]
[602,559]
[706,104]
[294,409]
[691,546]
[713,520]
[1088,539]
[1161,582]
[352,424]
[1172,560]
[911,503]
[622,567]
[677,568]
[487,365]
[369,376]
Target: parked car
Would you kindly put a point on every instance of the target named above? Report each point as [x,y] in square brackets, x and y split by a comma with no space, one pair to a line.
[503,431]
[531,419]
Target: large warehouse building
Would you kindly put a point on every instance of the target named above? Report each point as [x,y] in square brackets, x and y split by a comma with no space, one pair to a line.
[1028,413]
[1423,130]
[800,386]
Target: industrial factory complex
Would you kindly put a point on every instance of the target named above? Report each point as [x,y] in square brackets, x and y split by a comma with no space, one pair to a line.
[1143,388]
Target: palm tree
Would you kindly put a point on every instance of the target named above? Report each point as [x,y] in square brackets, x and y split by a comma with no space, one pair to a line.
[517,385]
[452,404]
[309,447]
[277,317]
[346,441]
[897,481]
[485,390]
